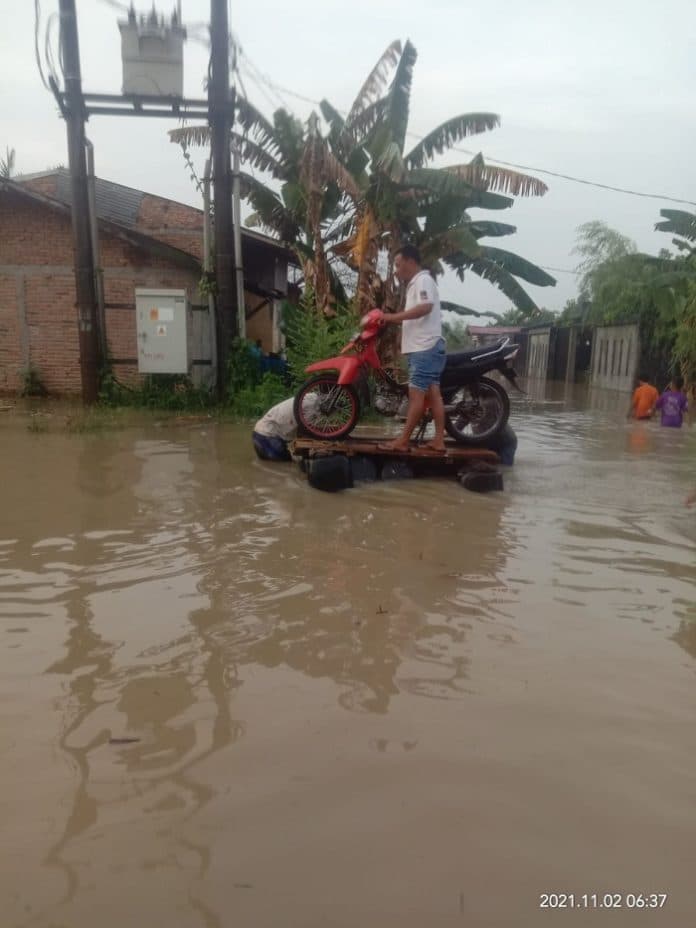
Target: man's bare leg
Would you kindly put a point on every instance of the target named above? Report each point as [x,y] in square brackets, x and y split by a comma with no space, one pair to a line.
[416,405]
[438,410]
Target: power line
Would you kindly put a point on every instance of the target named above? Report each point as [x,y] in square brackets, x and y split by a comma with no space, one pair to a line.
[48,52]
[262,82]
[37,27]
[577,180]
[512,164]
[260,79]
[259,85]
[560,270]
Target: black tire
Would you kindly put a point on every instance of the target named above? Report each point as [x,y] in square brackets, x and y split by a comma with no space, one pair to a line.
[347,416]
[482,481]
[478,432]
[331,474]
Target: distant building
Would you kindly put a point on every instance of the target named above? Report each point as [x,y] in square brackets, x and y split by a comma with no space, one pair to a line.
[615,356]
[602,356]
[146,241]
[490,334]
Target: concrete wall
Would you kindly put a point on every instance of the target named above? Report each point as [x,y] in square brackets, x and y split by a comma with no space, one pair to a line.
[538,353]
[615,356]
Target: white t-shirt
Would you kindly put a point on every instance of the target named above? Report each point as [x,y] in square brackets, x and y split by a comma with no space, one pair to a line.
[279,422]
[421,334]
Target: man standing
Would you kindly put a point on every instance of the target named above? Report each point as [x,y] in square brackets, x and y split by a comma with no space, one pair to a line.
[424,346]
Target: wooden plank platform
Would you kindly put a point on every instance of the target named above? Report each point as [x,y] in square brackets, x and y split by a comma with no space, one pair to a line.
[460,454]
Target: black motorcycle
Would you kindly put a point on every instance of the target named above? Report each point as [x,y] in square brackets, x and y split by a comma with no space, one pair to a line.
[328,406]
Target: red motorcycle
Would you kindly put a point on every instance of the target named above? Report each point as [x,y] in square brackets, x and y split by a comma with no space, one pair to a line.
[328,405]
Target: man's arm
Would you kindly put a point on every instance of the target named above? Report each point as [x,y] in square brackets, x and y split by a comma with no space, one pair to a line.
[416,313]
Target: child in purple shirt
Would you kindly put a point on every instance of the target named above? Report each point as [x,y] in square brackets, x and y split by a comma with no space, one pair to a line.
[673,404]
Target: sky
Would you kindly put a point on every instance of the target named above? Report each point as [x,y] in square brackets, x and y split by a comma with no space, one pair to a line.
[602,90]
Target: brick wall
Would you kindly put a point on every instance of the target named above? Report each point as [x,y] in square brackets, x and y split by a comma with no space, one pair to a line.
[46,185]
[38,319]
[174,223]
[11,360]
[53,339]
[31,234]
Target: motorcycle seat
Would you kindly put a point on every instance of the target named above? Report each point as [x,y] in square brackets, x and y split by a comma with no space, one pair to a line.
[465,358]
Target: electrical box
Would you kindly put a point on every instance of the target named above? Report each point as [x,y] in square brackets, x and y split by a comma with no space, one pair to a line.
[161,321]
[152,52]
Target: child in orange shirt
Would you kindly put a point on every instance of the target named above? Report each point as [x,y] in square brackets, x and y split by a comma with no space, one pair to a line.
[644,398]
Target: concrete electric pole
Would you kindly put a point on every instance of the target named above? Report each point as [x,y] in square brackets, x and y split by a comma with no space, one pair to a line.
[221,117]
[85,289]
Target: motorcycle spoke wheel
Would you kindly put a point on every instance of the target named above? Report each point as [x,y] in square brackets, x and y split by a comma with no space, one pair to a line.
[326,409]
[476,419]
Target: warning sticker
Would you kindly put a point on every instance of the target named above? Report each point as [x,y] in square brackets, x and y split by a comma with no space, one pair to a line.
[161,330]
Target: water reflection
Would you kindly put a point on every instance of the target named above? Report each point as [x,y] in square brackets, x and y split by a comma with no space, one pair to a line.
[685,635]
[362,592]
[149,578]
[125,581]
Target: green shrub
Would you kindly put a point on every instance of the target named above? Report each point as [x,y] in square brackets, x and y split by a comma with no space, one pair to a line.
[251,393]
[173,392]
[253,401]
[311,336]
[243,368]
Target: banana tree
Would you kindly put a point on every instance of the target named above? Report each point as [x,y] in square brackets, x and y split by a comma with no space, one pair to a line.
[405,199]
[356,194]
[681,224]
[7,164]
[301,187]
[678,287]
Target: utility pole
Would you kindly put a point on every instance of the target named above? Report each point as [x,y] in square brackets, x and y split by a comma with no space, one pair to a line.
[85,290]
[220,117]
[237,219]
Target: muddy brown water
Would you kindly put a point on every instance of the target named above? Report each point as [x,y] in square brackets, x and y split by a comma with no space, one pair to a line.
[227,699]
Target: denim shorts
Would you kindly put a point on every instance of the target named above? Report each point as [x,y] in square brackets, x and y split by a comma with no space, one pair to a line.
[425,367]
[270,449]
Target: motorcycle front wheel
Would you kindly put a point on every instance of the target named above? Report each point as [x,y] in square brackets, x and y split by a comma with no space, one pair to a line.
[325,409]
[476,412]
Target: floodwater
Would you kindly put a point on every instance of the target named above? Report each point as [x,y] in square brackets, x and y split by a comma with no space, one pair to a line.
[227,699]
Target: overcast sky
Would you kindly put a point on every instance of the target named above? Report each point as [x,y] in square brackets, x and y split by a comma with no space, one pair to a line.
[603,90]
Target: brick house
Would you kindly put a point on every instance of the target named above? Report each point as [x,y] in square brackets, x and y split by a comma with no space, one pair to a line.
[144,241]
